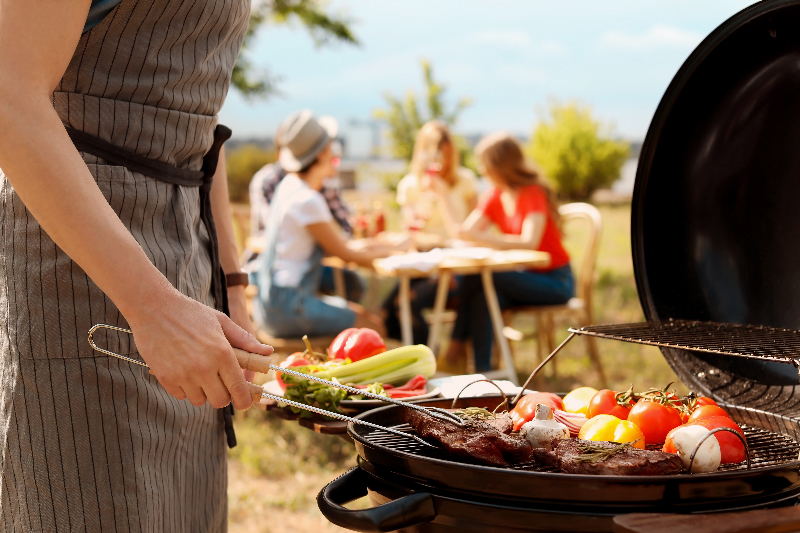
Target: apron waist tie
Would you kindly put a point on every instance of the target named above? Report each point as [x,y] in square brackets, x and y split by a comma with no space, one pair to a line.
[186,178]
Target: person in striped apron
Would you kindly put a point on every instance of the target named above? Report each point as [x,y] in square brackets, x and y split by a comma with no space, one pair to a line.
[108,145]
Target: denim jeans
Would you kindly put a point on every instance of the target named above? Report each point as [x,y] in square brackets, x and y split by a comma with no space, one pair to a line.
[553,287]
[354,284]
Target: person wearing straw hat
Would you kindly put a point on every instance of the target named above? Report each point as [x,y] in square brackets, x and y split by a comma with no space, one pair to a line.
[112,167]
[300,230]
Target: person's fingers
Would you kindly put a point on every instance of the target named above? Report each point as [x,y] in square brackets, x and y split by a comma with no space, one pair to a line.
[195,395]
[236,386]
[175,391]
[240,338]
[216,392]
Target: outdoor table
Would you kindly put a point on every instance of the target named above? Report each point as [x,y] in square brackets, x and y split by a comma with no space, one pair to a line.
[498,261]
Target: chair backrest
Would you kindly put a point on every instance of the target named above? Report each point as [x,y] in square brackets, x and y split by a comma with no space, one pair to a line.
[585,271]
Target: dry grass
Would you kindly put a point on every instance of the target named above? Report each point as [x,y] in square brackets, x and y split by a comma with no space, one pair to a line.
[278,467]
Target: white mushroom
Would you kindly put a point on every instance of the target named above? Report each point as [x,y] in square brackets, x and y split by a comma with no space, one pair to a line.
[541,431]
[708,457]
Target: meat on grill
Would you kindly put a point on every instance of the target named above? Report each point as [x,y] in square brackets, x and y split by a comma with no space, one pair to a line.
[630,462]
[479,440]
[502,423]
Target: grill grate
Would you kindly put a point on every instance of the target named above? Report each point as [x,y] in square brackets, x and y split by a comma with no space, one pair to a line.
[766,449]
[754,342]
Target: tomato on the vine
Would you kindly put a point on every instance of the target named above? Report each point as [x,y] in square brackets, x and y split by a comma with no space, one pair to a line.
[704,400]
[608,402]
[654,419]
[525,409]
[707,411]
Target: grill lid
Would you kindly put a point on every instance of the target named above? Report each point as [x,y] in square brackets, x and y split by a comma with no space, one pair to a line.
[716,206]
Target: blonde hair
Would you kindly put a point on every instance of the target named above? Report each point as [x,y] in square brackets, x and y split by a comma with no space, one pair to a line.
[432,137]
[502,158]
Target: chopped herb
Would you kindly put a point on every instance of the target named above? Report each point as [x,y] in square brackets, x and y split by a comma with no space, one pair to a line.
[478,413]
[591,453]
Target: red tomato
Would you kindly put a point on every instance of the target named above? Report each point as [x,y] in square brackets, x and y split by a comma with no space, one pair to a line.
[336,350]
[731,448]
[669,445]
[525,409]
[604,402]
[707,411]
[296,359]
[704,400]
[655,420]
[356,344]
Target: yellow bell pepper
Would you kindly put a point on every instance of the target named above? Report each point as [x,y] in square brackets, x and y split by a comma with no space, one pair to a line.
[578,400]
[612,429]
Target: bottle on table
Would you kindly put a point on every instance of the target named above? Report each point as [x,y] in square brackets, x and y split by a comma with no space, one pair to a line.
[378,218]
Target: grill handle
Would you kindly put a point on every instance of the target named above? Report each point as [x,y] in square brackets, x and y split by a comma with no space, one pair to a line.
[403,512]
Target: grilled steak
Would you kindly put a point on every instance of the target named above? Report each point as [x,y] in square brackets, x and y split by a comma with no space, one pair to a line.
[501,423]
[630,462]
[479,440]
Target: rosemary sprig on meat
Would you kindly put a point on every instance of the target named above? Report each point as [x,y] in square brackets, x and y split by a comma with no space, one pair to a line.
[476,413]
[591,453]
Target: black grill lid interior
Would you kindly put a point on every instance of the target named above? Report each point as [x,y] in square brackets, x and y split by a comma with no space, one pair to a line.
[716,205]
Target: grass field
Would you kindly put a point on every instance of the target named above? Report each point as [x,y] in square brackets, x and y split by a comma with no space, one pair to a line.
[278,467]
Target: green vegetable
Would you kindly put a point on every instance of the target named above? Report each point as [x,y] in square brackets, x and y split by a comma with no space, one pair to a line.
[395,367]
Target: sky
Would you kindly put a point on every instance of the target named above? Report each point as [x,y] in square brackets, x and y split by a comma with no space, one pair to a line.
[508,56]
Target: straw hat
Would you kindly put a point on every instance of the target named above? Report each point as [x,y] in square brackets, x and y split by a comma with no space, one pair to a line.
[303,137]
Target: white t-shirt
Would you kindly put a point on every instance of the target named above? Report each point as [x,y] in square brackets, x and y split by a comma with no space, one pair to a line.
[410,193]
[298,206]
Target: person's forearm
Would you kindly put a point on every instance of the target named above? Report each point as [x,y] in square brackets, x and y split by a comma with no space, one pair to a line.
[221,208]
[451,223]
[501,242]
[54,183]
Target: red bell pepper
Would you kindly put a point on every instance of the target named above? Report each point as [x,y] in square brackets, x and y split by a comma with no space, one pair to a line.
[356,344]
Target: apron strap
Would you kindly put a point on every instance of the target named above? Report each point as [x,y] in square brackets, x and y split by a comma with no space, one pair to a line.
[186,178]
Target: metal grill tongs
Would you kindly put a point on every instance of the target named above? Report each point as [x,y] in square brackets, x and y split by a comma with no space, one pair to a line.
[259,363]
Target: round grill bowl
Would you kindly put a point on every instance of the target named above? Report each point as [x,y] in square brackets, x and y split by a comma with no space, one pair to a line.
[411,465]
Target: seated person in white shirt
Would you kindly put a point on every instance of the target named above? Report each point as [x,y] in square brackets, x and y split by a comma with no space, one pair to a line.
[299,232]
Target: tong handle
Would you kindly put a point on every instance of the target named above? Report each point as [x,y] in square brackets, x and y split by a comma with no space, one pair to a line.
[255,391]
[253,361]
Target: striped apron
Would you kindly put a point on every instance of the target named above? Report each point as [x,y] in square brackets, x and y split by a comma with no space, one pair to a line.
[89,442]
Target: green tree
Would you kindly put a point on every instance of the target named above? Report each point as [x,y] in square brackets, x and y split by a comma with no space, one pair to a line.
[323,26]
[241,163]
[575,150]
[404,117]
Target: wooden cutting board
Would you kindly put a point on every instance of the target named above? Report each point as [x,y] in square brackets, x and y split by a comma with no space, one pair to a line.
[781,520]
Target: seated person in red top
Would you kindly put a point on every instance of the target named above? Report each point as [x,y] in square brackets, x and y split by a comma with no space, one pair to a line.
[523,208]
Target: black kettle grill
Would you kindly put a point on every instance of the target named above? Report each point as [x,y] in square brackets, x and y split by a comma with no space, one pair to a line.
[716,253]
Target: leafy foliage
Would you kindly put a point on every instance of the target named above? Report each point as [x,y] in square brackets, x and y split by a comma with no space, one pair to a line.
[241,163]
[404,117]
[324,28]
[577,151]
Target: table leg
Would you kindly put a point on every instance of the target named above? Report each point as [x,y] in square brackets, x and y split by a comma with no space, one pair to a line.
[338,283]
[405,310]
[497,321]
[371,302]
[438,309]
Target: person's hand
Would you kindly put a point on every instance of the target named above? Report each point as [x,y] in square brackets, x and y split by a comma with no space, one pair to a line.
[187,346]
[237,303]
